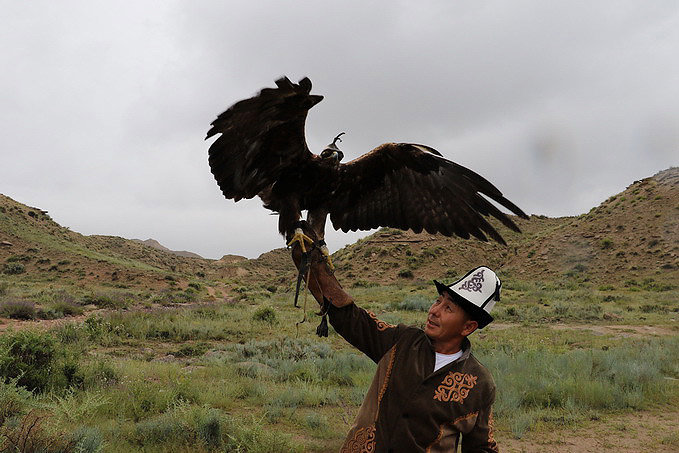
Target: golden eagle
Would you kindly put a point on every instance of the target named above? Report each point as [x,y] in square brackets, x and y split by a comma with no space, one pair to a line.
[262,151]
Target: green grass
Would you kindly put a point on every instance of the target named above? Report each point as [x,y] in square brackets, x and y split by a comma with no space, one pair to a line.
[225,378]
[538,303]
[412,302]
[540,385]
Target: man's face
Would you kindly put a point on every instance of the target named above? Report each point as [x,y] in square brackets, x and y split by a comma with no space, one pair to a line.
[447,324]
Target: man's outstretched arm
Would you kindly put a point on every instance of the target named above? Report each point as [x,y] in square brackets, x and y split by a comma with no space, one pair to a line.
[322,283]
[356,325]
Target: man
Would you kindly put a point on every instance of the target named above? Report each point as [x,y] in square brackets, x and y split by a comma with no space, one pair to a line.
[428,389]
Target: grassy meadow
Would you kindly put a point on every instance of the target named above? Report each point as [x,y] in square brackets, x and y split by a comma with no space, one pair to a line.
[167,372]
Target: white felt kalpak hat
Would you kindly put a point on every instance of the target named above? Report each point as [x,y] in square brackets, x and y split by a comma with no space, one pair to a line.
[476,293]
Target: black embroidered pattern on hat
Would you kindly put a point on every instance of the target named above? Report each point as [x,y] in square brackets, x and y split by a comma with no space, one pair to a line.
[475,283]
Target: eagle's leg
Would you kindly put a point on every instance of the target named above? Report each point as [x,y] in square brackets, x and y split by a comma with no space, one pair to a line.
[289,216]
[317,220]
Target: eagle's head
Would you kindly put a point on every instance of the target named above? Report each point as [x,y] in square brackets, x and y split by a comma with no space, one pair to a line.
[332,151]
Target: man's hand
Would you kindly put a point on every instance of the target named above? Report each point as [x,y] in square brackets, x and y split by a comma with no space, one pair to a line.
[322,282]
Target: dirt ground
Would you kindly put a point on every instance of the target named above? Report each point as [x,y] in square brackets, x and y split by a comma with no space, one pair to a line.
[641,432]
[17,324]
[618,330]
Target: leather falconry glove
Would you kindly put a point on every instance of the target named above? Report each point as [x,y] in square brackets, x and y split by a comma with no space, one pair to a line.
[321,281]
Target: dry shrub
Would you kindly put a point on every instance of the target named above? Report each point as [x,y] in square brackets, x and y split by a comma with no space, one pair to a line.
[28,434]
[19,309]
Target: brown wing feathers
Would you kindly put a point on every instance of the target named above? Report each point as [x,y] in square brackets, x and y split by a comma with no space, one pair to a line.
[399,185]
[260,137]
[405,186]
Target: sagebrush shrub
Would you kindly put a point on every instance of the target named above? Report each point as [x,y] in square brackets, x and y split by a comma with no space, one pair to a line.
[38,362]
[27,357]
[13,399]
[19,309]
[13,268]
[266,314]
[192,350]
[414,302]
[4,288]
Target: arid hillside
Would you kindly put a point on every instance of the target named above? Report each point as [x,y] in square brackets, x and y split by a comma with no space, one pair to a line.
[37,252]
[632,238]
[33,245]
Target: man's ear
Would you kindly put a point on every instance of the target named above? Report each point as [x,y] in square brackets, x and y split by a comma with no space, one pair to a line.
[469,327]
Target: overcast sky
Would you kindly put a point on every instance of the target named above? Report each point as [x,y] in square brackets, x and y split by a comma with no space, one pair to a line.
[104,105]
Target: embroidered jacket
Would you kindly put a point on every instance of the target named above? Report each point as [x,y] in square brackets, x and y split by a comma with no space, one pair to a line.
[409,407]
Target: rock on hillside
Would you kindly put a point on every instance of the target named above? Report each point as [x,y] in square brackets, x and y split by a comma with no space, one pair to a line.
[232,259]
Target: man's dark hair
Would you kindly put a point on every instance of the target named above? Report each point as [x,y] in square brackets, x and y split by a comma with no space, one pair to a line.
[467,316]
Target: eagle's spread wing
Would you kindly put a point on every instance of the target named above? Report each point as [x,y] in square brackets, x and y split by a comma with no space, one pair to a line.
[409,186]
[260,137]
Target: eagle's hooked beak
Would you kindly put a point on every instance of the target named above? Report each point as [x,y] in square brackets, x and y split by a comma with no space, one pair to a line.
[332,154]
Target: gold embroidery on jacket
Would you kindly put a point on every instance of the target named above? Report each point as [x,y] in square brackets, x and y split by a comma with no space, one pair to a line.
[381,325]
[363,441]
[455,387]
[491,427]
[387,375]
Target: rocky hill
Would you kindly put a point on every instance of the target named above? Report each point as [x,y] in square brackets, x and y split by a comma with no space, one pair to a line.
[632,237]
[37,252]
[36,247]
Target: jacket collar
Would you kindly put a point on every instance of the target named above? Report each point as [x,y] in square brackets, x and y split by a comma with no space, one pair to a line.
[466,347]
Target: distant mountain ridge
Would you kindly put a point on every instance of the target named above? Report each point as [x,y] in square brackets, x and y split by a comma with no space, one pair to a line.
[157,245]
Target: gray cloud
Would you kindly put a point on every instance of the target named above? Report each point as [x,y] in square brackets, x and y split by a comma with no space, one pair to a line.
[104,108]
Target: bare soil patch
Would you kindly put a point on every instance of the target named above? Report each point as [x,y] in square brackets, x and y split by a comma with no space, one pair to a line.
[17,324]
[639,432]
[618,330]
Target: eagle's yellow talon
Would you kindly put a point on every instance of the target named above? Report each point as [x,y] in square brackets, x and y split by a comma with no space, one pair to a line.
[326,253]
[300,237]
